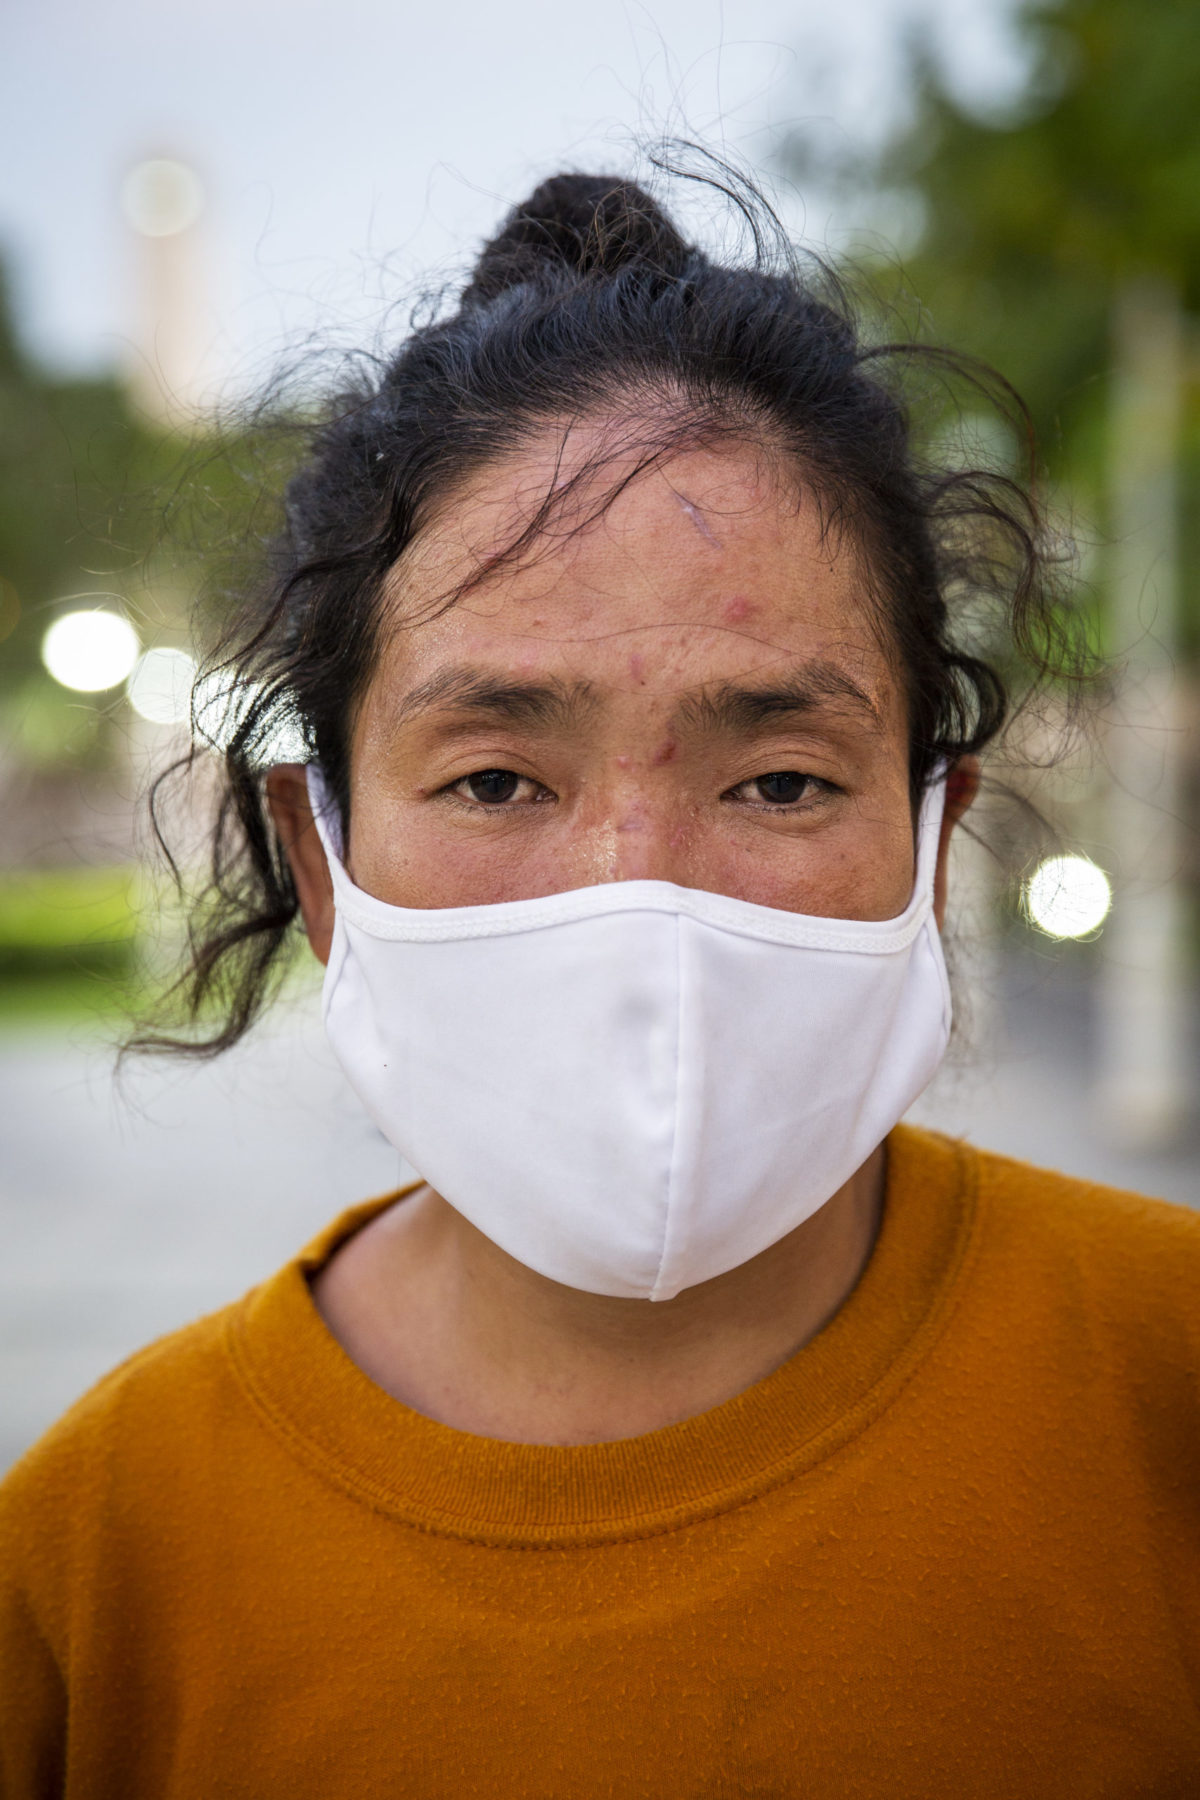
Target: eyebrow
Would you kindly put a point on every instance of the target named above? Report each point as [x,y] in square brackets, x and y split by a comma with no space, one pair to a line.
[816,687]
[478,696]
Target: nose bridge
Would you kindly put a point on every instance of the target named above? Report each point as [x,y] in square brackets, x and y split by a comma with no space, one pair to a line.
[643,834]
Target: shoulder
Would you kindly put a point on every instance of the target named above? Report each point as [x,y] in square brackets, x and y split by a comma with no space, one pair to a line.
[127,1420]
[1096,1276]
[85,1505]
[1101,1230]
[160,1437]
[1073,1311]
[1052,1215]
[155,1417]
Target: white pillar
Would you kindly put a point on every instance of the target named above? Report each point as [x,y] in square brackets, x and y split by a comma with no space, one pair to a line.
[1143,1076]
[163,201]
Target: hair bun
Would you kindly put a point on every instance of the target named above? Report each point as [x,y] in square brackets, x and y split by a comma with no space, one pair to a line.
[584,224]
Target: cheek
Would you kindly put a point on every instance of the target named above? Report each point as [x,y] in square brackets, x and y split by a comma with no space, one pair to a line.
[873,873]
[862,870]
[874,884]
[862,867]
[419,854]
[420,866]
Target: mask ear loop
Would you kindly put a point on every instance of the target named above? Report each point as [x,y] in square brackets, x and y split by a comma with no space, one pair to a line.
[929,833]
[326,815]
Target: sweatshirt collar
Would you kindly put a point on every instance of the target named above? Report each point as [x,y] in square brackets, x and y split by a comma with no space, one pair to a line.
[439,1479]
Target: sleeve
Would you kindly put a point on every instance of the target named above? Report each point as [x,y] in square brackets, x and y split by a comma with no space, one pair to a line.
[33,1695]
[32,1703]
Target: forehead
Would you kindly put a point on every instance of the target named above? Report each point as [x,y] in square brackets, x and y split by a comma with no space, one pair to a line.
[707,564]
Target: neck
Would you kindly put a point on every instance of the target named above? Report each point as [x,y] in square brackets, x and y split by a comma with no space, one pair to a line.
[448,1323]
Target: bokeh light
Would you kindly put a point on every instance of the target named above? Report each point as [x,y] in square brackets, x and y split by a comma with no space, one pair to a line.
[160,688]
[90,651]
[1068,896]
[161,198]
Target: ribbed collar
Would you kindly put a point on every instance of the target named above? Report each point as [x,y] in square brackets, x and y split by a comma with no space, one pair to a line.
[432,1476]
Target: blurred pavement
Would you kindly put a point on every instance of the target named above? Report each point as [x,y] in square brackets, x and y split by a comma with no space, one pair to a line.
[126,1214]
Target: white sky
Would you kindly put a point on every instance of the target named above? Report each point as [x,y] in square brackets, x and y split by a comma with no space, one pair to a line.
[349,148]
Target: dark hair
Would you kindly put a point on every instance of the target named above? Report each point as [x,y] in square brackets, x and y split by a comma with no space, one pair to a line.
[590,299]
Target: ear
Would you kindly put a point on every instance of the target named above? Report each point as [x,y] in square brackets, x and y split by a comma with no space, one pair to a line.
[287,797]
[962,785]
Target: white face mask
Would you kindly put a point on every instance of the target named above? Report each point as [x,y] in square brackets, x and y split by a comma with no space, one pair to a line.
[634,1087]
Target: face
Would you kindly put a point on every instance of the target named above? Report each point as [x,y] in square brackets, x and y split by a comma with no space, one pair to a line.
[691,688]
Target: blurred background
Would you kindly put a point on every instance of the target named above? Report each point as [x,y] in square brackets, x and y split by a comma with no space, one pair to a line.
[194,198]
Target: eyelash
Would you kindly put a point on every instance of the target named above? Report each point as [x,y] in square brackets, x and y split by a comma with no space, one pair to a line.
[815,791]
[823,789]
[455,789]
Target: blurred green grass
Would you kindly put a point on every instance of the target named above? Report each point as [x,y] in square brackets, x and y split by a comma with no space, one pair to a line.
[69,944]
[102,945]
[55,919]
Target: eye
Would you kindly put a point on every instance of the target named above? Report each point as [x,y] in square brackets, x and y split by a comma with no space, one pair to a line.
[492,786]
[783,788]
[496,787]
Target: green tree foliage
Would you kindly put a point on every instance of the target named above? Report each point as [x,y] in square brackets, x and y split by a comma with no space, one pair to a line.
[1034,216]
[102,506]
[1033,221]
[76,473]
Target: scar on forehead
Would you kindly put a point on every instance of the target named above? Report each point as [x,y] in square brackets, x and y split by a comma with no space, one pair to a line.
[699,521]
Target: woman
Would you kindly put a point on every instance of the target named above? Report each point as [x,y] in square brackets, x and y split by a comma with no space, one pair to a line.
[694,1428]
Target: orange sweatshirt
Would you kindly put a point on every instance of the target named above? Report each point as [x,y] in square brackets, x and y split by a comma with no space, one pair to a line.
[951,1548]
